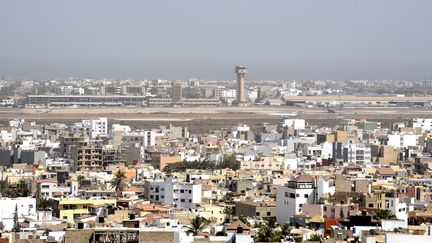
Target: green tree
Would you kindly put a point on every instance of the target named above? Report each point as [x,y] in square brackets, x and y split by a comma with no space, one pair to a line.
[228,161]
[229,212]
[285,230]
[384,214]
[197,225]
[23,189]
[42,203]
[4,188]
[16,225]
[315,237]
[119,181]
[270,232]
[244,220]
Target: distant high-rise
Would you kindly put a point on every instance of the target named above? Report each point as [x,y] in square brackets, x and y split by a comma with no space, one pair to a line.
[241,71]
[176,92]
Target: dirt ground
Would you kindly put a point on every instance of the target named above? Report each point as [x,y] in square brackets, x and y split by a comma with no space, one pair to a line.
[202,119]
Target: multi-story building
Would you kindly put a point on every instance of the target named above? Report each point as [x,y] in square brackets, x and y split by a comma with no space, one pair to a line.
[356,154]
[172,192]
[69,209]
[424,123]
[87,156]
[260,210]
[52,188]
[290,198]
[400,140]
[25,206]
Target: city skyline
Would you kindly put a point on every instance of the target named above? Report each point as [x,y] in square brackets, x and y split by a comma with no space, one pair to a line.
[284,40]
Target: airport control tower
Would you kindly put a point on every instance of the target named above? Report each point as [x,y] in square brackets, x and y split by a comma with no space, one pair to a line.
[241,71]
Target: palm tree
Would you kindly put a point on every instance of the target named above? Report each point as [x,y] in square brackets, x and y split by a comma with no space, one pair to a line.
[267,233]
[197,225]
[384,214]
[315,237]
[285,230]
[42,203]
[119,181]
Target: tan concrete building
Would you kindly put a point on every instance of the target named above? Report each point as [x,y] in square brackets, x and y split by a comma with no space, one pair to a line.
[256,209]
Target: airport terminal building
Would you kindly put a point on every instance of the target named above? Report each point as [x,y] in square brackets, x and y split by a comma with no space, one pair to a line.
[85,100]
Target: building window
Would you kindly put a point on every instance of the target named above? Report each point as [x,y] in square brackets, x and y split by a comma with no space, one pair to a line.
[268,213]
[257,214]
[297,195]
[306,195]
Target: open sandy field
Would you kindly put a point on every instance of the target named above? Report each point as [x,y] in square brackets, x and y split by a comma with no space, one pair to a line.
[206,118]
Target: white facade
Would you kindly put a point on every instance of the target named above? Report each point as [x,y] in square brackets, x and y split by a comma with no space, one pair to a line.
[402,140]
[99,127]
[356,154]
[93,127]
[26,207]
[49,188]
[398,208]
[229,93]
[294,123]
[424,124]
[325,187]
[121,128]
[290,199]
[175,193]
[149,139]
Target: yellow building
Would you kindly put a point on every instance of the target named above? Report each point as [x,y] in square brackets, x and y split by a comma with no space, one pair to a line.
[70,208]
[214,213]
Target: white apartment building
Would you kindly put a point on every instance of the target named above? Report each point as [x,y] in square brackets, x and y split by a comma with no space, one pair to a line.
[172,192]
[49,188]
[99,127]
[26,207]
[290,198]
[229,93]
[294,123]
[356,154]
[398,208]
[424,124]
[149,139]
[399,140]
[93,127]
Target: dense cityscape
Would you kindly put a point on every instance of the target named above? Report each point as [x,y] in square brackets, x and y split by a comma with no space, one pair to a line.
[288,179]
[224,121]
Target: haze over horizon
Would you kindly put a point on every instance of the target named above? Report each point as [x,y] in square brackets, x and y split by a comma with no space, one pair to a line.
[277,40]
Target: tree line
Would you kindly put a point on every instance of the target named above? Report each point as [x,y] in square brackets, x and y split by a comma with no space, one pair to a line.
[228,161]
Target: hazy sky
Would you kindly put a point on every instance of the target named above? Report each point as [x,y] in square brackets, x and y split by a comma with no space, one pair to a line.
[276,39]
